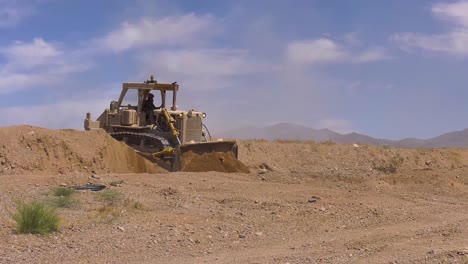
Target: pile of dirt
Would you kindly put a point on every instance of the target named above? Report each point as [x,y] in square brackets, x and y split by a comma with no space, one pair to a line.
[212,161]
[38,150]
[345,161]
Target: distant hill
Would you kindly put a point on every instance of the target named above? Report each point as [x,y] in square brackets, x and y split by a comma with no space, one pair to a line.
[457,139]
[288,131]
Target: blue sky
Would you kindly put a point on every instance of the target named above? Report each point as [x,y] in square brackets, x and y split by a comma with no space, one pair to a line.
[388,69]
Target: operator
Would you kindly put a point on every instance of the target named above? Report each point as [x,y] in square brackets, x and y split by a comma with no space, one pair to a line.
[148,108]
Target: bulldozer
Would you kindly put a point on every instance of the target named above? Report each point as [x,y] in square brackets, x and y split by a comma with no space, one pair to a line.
[160,134]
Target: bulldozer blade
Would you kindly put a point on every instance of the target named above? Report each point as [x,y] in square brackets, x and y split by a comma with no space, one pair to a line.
[201,148]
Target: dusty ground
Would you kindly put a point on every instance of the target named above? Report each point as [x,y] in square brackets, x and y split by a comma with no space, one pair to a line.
[300,203]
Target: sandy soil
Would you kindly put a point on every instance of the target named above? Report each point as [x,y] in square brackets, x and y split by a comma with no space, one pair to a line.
[300,203]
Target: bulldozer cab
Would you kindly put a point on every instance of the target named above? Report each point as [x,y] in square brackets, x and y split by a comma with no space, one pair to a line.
[143,90]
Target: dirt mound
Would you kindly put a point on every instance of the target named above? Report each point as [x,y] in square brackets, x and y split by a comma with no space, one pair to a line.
[213,161]
[306,160]
[39,150]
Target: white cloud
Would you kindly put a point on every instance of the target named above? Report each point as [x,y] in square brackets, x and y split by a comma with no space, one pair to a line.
[37,63]
[327,51]
[12,82]
[63,112]
[221,62]
[456,12]
[203,69]
[29,55]
[337,125]
[453,42]
[316,51]
[171,30]
[370,55]
[352,39]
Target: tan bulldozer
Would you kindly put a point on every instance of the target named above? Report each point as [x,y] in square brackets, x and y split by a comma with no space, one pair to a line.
[160,134]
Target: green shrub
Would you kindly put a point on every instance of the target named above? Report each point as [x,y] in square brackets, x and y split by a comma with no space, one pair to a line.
[64,202]
[390,166]
[36,218]
[62,197]
[110,196]
[328,143]
[137,206]
[63,191]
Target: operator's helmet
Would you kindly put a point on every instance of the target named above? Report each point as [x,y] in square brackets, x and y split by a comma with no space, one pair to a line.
[150,95]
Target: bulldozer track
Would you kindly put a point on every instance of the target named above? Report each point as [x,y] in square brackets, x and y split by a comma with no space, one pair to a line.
[150,139]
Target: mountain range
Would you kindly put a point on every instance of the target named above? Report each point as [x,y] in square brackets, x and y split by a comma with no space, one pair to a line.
[288,131]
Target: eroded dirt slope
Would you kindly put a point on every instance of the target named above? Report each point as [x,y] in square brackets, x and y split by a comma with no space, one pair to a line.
[28,149]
